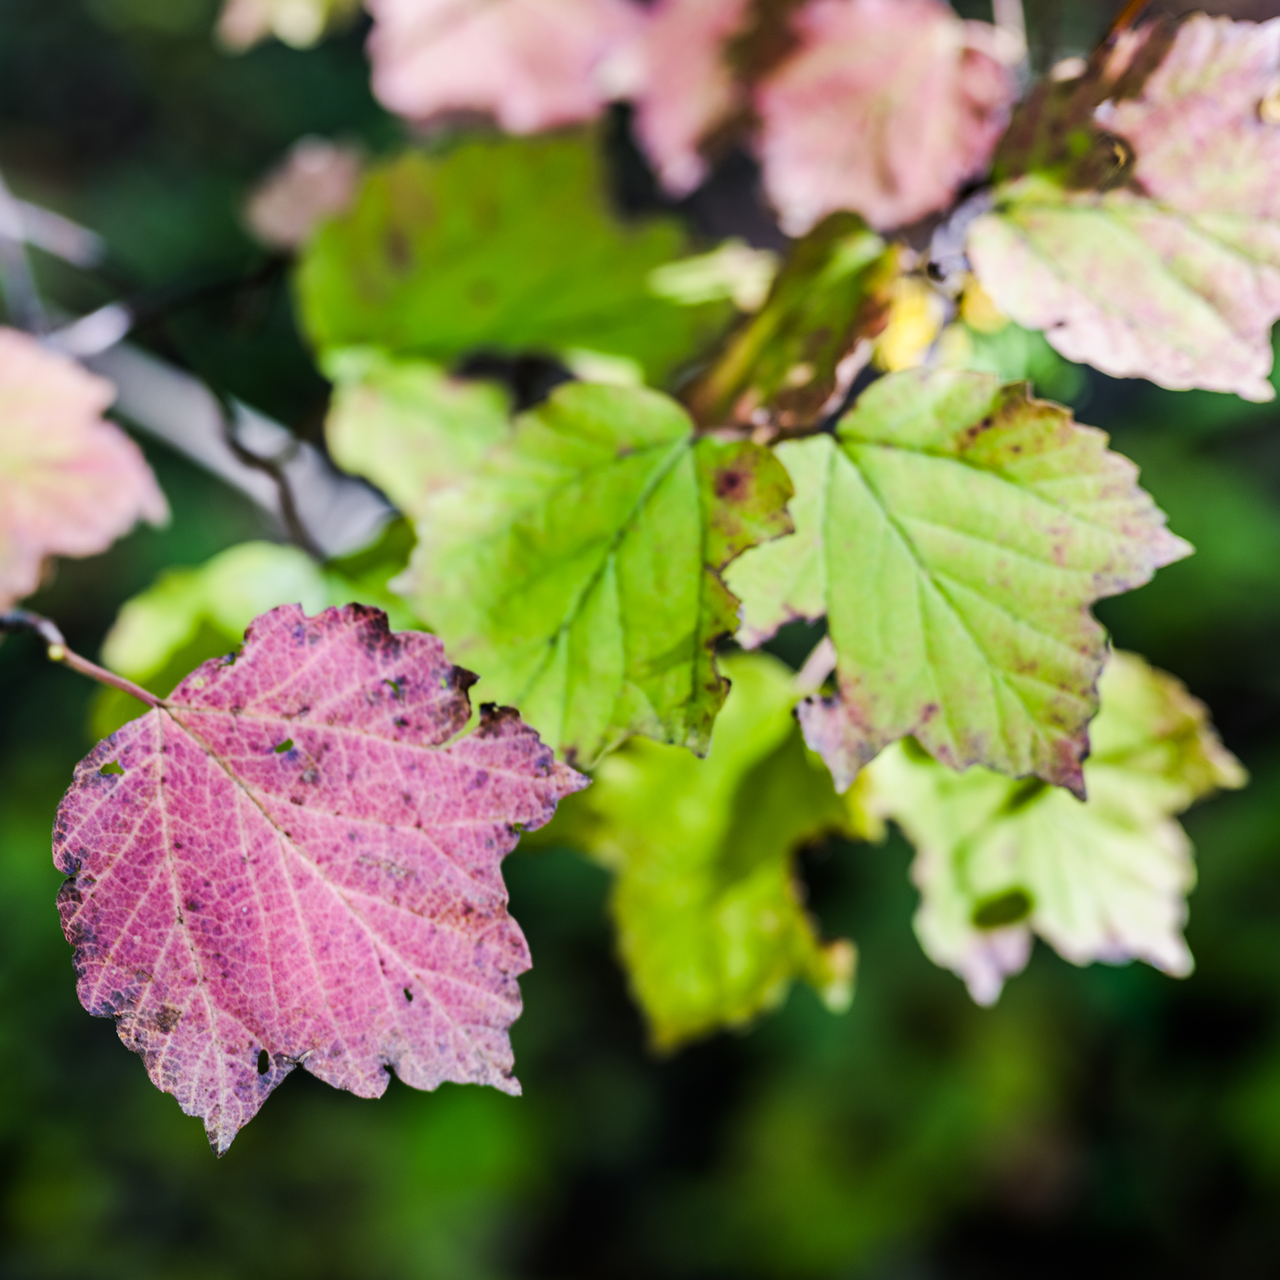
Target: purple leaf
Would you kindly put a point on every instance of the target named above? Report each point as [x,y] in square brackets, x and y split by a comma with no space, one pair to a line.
[295,862]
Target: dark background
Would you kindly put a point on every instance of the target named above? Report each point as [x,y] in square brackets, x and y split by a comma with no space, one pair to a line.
[1108,1120]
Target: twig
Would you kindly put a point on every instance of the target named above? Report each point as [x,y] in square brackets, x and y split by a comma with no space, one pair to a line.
[57,651]
[1127,17]
[16,281]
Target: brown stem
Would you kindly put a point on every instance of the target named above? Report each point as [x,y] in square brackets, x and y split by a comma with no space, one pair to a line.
[57,651]
[1127,17]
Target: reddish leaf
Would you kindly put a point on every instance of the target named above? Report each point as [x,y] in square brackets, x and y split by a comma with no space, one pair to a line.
[295,862]
[689,87]
[70,483]
[887,107]
[531,64]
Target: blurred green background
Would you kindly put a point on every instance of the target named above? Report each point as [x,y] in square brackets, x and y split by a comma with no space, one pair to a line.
[1106,1120]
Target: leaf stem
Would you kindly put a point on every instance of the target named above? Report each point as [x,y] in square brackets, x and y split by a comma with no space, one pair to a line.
[57,651]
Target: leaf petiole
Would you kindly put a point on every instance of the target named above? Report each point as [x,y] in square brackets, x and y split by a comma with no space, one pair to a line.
[57,651]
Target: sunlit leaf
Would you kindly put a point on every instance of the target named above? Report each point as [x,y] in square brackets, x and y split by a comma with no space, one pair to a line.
[498,244]
[710,917]
[794,360]
[295,862]
[1144,237]
[955,532]
[577,569]
[70,483]
[999,860]
[407,426]
[530,64]
[886,108]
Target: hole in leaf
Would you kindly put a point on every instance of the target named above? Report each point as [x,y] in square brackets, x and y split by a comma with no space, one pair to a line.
[112,766]
[1003,909]
[264,1062]
[408,995]
[282,747]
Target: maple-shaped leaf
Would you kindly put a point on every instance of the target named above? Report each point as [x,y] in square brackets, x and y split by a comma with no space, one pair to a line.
[886,108]
[294,861]
[796,357]
[577,568]
[955,531]
[70,482]
[530,64]
[407,425]
[1140,226]
[710,918]
[998,860]
[499,244]
[689,88]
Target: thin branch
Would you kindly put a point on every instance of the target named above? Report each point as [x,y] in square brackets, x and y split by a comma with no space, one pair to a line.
[56,650]
[1127,17]
[18,285]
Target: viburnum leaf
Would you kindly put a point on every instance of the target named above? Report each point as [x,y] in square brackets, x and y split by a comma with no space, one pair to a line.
[499,244]
[997,860]
[1139,225]
[794,360]
[294,861]
[688,86]
[710,918]
[577,568]
[190,615]
[407,426]
[955,531]
[531,64]
[70,482]
[886,108]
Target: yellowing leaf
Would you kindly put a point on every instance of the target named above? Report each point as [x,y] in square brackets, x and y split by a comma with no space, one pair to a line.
[999,860]
[886,108]
[70,483]
[711,922]
[575,570]
[955,531]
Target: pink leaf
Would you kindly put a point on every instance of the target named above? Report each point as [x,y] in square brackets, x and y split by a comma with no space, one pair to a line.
[887,107]
[70,483]
[294,861]
[531,64]
[689,87]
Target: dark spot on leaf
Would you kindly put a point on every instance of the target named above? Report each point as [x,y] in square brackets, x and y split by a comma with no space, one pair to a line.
[408,995]
[730,483]
[166,1018]
[1003,909]
[264,1062]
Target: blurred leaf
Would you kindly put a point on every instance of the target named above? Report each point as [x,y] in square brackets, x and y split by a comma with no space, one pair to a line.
[795,359]
[955,532]
[576,569]
[497,244]
[710,918]
[1141,225]
[1101,880]
[70,482]
[407,426]
[300,23]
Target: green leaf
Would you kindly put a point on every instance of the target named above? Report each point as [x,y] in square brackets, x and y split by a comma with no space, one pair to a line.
[710,918]
[576,570]
[499,243]
[997,860]
[795,359]
[955,531]
[406,425]
[1139,221]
